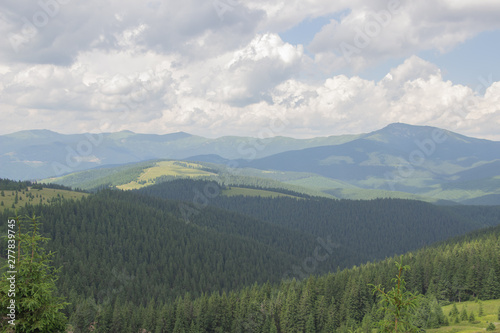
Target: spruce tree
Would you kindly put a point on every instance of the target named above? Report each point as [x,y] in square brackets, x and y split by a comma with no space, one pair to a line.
[398,304]
[310,325]
[367,324]
[36,305]
[454,311]
[464,315]
[491,287]
[472,317]
[481,309]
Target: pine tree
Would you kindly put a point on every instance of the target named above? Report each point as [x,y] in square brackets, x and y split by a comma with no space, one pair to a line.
[481,309]
[472,317]
[454,311]
[491,286]
[367,324]
[37,306]
[310,326]
[464,315]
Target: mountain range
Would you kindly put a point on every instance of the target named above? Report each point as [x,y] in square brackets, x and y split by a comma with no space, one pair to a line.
[427,162]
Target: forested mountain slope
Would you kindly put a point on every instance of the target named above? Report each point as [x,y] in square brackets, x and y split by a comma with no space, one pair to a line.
[458,269]
[127,256]
[371,229]
[145,239]
[340,302]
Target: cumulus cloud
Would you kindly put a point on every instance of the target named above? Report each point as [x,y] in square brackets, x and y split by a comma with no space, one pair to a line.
[57,31]
[255,69]
[414,92]
[220,68]
[378,30]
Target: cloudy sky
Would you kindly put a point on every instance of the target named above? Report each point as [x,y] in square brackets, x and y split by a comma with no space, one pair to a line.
[234,67]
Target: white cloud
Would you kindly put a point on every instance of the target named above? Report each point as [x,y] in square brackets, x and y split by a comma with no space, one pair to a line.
[413,92]
[164,66]
[378,30]
[255,69]
[58,33]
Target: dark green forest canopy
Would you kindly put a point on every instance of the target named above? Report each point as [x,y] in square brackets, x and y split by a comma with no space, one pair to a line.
[133,261]
[455,270]
[368,229]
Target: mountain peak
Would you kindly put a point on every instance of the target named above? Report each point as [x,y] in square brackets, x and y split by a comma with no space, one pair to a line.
[401,130]
[404,127]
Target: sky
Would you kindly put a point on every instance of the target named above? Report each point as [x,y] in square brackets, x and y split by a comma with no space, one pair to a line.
[249,68]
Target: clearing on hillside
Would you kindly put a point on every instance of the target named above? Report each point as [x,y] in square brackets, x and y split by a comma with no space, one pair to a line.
[166,168]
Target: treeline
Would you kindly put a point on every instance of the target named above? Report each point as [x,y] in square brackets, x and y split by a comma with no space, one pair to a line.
[21,185]
[272,189]
[178,188]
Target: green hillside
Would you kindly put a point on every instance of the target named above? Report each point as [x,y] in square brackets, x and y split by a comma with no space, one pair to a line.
[102,177]
[138,175]
[174,169]
[132,176]
[490,315]
[35,196]
[15,195]
[143,174]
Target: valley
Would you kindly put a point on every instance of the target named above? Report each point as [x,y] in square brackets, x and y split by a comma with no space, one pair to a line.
[288,242]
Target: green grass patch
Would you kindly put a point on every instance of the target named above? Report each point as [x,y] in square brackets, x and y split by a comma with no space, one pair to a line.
[33,196]
[166,168]
[490,309]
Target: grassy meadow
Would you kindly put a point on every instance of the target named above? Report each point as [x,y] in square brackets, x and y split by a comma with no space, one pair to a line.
[34,196]
[166,168]
[490,309]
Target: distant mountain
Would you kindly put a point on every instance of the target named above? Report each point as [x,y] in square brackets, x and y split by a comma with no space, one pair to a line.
[400,160]
[416,159]
[38,154]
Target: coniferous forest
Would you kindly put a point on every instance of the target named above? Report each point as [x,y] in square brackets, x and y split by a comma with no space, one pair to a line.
[175,257]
